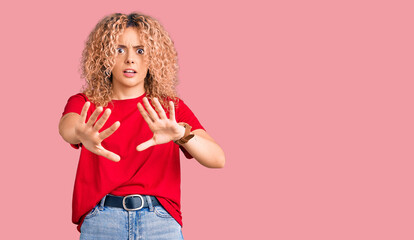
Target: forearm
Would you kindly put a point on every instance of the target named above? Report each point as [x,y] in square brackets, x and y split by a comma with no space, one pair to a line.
[67,128]
[205,150]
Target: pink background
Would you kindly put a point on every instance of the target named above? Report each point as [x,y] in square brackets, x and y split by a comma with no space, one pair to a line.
[312,102]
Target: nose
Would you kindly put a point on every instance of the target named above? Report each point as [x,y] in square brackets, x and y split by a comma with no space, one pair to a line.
[130,57]
[130,60]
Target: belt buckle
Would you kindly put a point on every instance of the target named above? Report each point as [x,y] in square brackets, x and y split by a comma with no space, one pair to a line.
[133,209]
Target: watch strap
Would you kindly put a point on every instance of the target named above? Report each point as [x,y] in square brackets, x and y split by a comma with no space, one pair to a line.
[187,134]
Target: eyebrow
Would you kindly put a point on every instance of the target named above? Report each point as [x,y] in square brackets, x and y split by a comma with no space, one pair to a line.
[123,46]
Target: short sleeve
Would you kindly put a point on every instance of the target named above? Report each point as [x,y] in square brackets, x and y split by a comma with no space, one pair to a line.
[75,104]
[184,114]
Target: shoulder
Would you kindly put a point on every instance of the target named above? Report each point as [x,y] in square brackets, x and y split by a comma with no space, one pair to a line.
[79,96]
[180,104]
[75,103]
[78,99]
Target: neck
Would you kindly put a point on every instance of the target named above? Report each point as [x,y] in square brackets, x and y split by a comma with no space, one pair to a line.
[120,93]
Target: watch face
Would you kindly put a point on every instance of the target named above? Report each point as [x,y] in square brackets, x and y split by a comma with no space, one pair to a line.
[187,131]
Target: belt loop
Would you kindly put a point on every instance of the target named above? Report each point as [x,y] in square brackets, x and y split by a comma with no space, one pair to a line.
[150,206]
[102,203]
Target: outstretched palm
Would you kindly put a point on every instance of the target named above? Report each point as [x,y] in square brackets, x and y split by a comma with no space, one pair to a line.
[89,135]
[165,129]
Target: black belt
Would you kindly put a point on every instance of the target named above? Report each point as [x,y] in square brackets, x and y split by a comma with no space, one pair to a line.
[130,202]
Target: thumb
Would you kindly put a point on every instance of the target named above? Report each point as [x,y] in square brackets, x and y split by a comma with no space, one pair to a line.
[146,145]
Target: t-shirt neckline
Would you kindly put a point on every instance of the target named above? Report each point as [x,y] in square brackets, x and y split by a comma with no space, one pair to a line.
[129,99]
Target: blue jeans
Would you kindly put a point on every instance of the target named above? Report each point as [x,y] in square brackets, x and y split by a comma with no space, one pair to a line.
[104,222]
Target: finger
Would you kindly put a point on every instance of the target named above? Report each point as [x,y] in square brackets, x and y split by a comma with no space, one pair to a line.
[172,110]
[144,114]
[159,108]
[146,145]
[108,132]
[101,121]
[84,112]
[94,116]
[153,115]
[110,155]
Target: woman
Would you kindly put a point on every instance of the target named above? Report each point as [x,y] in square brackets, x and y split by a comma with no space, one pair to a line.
[130,125]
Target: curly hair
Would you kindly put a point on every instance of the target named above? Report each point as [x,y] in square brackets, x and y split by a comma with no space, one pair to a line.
[98,58]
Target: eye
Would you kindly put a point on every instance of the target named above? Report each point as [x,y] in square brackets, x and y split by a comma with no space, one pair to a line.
[140,51]
[120,50]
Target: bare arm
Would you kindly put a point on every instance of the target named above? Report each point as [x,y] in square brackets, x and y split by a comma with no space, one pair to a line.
[75,129]
[202,147]
[67,128]
[205,150]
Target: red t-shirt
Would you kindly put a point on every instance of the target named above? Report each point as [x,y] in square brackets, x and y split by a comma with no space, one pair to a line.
[154,171]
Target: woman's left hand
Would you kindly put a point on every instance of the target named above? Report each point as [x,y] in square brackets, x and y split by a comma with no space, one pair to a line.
[164,129]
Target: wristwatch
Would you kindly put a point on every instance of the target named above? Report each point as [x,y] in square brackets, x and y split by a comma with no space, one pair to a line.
[187,135]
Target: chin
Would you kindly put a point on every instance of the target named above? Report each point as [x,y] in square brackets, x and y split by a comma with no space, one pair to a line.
[131,84]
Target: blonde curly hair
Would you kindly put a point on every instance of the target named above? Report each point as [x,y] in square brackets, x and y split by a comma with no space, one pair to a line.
[98,58]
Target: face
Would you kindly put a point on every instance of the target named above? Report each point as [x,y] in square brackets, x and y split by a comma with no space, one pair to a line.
[130,69]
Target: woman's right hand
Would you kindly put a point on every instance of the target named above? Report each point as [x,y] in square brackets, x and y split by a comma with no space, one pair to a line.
[89,135]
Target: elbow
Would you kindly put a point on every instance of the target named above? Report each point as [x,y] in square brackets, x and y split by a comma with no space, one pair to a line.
[61,129]
[61,132]
[220,162]
[221,159]
[212,161]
